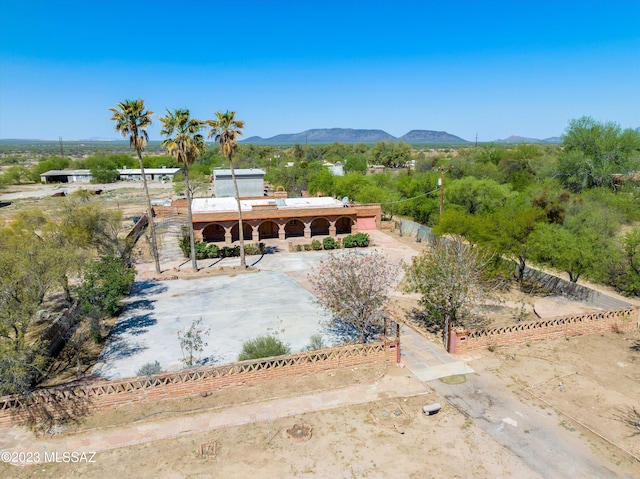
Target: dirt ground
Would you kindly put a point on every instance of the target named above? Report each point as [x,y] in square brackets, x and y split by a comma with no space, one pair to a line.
[591,379]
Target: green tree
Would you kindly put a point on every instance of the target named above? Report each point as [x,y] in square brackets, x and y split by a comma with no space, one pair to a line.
[226,130]
[391,154]
[628,280]
[564,250]
[104,170]
[132,120]
[450,279]
[266,346]
[476,196]
[104,283]
[595,152]
[185,144]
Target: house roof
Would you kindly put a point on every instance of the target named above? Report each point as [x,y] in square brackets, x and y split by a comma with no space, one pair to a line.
[211,205]
[239,172]
[66,173]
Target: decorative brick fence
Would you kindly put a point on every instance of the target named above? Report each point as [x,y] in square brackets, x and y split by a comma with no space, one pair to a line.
[76,400]
[626,319]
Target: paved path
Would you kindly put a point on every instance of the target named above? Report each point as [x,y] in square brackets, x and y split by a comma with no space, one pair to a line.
[428,360]
[18,439]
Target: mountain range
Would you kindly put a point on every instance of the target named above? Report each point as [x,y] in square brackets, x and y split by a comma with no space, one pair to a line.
[350,135]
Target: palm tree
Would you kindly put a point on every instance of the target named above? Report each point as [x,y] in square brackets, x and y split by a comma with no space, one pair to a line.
[185,147]
[132,120]
[226,130]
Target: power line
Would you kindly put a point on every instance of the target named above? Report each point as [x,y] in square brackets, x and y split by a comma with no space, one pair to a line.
[409,199]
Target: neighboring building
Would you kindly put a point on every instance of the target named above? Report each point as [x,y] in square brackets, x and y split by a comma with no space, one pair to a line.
[250,183]
[129,174]
[216,219]
[335,169]
[135,174]
[65,176]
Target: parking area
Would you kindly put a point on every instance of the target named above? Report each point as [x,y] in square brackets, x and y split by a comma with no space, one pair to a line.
[272,299]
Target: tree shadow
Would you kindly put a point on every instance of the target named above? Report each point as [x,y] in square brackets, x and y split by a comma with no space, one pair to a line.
[135,325]
[43,409]
[145,288]
[421,317]
[629,416]
[340,331]
[139,304]
[118,348]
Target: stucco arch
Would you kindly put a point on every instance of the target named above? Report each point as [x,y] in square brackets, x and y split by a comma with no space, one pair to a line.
[344,225]
[294,227]
[320,226]
[246,229]
[268,229]
[213,232]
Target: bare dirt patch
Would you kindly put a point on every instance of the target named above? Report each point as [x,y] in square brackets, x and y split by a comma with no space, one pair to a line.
[592,381]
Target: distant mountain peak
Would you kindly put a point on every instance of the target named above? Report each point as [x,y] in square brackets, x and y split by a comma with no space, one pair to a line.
[353,135]
[523,139]
[430,136]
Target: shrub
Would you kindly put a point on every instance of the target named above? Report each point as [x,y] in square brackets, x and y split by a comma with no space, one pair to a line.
[330,243]
[315,342]
[254,249]
[307,247]
[360,240]
[183,242]
[201,250]
[229,251]
[316,245]
[298,247]
[212,251]
[149,369]
[263,347]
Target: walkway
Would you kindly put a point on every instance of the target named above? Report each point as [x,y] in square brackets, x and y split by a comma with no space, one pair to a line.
[19,439]
[428,360]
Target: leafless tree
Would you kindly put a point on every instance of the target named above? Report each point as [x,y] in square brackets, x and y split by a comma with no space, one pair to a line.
[354,287]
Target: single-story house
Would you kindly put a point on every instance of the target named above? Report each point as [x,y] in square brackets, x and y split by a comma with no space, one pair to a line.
[216,219]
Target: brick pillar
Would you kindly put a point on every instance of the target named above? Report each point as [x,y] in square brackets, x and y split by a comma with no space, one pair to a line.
[307,230]
[255,234]
[227,235]
[281,233]
[332,229]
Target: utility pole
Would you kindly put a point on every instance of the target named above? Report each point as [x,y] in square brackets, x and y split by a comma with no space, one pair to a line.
[61,147]
[476,140]
[441,184]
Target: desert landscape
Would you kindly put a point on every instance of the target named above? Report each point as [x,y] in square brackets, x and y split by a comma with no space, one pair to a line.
[575,395]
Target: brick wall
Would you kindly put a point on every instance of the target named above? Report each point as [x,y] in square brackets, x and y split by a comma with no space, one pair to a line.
[626,319]
[75,400]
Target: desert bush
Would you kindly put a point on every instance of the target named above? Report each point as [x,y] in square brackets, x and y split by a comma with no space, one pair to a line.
[149,369]
[360,240]
[316,245]
[263,347]
[330,243]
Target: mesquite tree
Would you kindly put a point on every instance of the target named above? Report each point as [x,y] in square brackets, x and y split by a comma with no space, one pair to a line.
[450,278]
[354,287]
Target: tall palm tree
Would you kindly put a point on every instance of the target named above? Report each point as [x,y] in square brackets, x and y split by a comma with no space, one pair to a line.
[132,120]
[226,130]
[185,146]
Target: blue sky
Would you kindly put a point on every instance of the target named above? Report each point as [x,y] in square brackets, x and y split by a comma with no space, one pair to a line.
[495,68]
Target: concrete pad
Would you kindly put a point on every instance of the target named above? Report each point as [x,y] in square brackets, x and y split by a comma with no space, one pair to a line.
[234,308]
